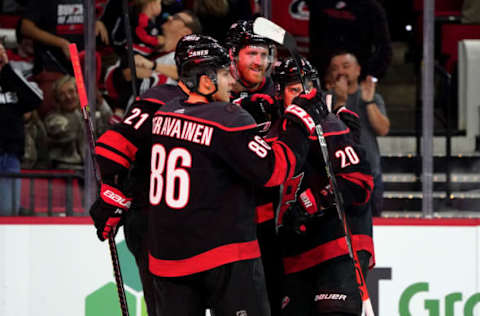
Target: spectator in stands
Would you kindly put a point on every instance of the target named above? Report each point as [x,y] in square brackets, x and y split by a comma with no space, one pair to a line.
[36,143]
[65,126]
[150,73]
[53,25]
[360,97]
[216,16]
[22,56]
[359,26]
[17,97]
[146,34]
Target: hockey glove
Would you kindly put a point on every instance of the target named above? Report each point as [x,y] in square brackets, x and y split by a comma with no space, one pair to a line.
[308,208]
[259,106]
[350,119]
[307,110]
[108,209]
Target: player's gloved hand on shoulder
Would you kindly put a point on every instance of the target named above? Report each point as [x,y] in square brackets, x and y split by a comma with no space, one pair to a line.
[108,209]
[307,110]
[259,106]
[352,120]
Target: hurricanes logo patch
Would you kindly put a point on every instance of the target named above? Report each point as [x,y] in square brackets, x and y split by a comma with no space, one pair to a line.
[298,10]
[285,301]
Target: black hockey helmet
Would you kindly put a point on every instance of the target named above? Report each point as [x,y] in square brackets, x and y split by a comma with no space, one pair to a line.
[198,55]
[287,72]
[241,34]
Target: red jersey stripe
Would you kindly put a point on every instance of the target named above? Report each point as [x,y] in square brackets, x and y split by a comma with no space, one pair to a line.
[327,251]
[362,180]
[110,155]
[205,261]
[280,169]
[119,142]
[192,118]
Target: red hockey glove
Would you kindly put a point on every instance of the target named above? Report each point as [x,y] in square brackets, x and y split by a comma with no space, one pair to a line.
[108,209]
[307,110]
[352,120]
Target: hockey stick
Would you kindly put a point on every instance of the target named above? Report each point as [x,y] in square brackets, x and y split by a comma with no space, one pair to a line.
[91,142]
[131,62]
[268,29]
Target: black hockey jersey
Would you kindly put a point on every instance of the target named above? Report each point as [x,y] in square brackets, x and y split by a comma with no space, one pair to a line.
[125,145]
[324,237]
[206,161]
[266,87]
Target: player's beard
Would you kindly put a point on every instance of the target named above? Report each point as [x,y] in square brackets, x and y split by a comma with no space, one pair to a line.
[252,75]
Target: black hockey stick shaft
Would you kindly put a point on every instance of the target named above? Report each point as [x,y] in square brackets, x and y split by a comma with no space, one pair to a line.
[91,142]
[131,62]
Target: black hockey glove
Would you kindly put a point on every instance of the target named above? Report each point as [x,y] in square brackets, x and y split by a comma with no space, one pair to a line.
[259,106]
[352,120]
[307,110]
[308,208]
[107,210]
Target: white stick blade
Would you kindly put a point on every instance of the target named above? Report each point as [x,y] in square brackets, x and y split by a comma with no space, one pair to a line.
[268,29]
[367,309]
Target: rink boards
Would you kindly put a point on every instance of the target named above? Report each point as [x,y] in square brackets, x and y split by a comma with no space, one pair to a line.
[56,266]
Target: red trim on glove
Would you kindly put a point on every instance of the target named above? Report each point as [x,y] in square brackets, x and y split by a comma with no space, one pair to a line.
[307,201]
[114,196]
[309,95]
[110,226]
[265,97]
[303,116]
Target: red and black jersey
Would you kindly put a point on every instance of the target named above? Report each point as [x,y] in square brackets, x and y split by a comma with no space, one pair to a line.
[145,39]
[120,90]
[324,237]
[124,146]
[264,196]
[206,161]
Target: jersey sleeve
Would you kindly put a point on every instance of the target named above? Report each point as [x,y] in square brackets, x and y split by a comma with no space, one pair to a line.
[265,164]
[351,168]
[117,148]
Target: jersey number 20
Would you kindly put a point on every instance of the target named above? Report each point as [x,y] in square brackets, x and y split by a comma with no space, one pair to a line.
[168,178]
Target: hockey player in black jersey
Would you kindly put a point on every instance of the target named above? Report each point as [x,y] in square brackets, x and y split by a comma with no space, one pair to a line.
[206,159]
[253,58]
[319,277]
[123,148]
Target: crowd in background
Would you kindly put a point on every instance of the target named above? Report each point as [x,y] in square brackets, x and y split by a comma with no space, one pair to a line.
[54,131]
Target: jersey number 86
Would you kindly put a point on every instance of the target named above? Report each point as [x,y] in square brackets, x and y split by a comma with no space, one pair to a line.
[167,178]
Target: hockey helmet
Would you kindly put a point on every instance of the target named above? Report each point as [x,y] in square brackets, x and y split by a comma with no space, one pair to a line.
[198,55]
[287,72]
[240,35]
